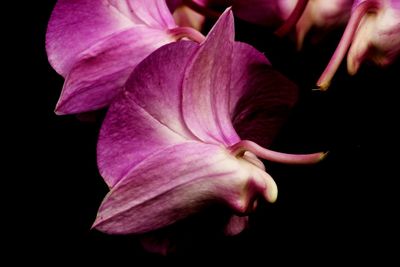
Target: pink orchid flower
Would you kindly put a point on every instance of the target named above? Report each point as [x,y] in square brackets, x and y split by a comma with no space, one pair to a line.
[172,141]
[373,33]
[95,45]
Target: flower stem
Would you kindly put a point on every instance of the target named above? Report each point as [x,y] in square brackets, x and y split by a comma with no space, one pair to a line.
[203,10]
[291,21]
[344,44]
[241,147]
[188,32]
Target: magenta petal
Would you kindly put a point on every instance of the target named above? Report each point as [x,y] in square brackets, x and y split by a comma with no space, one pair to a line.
[179,181]
[206,86]
[395,4]
[261,98]
[101,71]
[145,119]
[170,186]
[153,13]
[156,85]
[76,25]
[247,64]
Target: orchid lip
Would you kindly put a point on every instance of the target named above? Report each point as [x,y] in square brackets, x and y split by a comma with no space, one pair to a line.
[344,44]
[241,147]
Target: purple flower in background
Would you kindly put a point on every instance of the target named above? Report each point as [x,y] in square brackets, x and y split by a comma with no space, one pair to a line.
[298,16]
[174,141]
[95,45]
[322,15]
[373,33]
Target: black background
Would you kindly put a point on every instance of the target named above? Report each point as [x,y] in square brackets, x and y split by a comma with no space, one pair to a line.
[341,210]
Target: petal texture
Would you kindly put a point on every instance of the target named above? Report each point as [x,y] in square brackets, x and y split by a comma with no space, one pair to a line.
[178,182]
[95,45]
[102,70]
[145,118]
[166,187]
[76,25]
[206,86]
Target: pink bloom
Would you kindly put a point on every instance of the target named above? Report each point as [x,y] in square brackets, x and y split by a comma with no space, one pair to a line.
[298,16]
[172,142]
[373,33]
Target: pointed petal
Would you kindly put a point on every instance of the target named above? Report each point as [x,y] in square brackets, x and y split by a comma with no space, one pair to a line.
[76,25]
[170,186]
[181,180]
[206,86]
[146,118]
[101,71]
[261,98]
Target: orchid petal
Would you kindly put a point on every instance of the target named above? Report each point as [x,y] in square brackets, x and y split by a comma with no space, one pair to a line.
[102,70]
[206,86]
[122,144]
[152,13]
[259,96]
[141,122]
[76,25]
[128,136]
[176,183]
[96,44]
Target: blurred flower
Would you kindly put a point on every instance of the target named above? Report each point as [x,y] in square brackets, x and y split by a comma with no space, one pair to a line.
[172,142]
[323,15]
[373,33]
[95,45]
[297,16]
